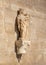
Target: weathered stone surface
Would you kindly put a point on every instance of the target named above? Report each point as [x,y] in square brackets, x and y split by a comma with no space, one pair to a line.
[36,53]
[1,20]
[9,21]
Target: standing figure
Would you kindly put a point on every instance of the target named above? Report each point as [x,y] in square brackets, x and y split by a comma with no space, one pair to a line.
[23,21]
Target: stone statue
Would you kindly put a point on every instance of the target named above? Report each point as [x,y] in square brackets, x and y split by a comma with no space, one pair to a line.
[23,21]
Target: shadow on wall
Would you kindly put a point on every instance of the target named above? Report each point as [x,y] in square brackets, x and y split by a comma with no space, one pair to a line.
[18,36]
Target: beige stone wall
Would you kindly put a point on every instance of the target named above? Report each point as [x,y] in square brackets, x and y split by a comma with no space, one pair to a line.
[36,53]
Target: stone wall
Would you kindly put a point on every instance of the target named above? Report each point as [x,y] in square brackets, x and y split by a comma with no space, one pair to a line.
[36,53]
